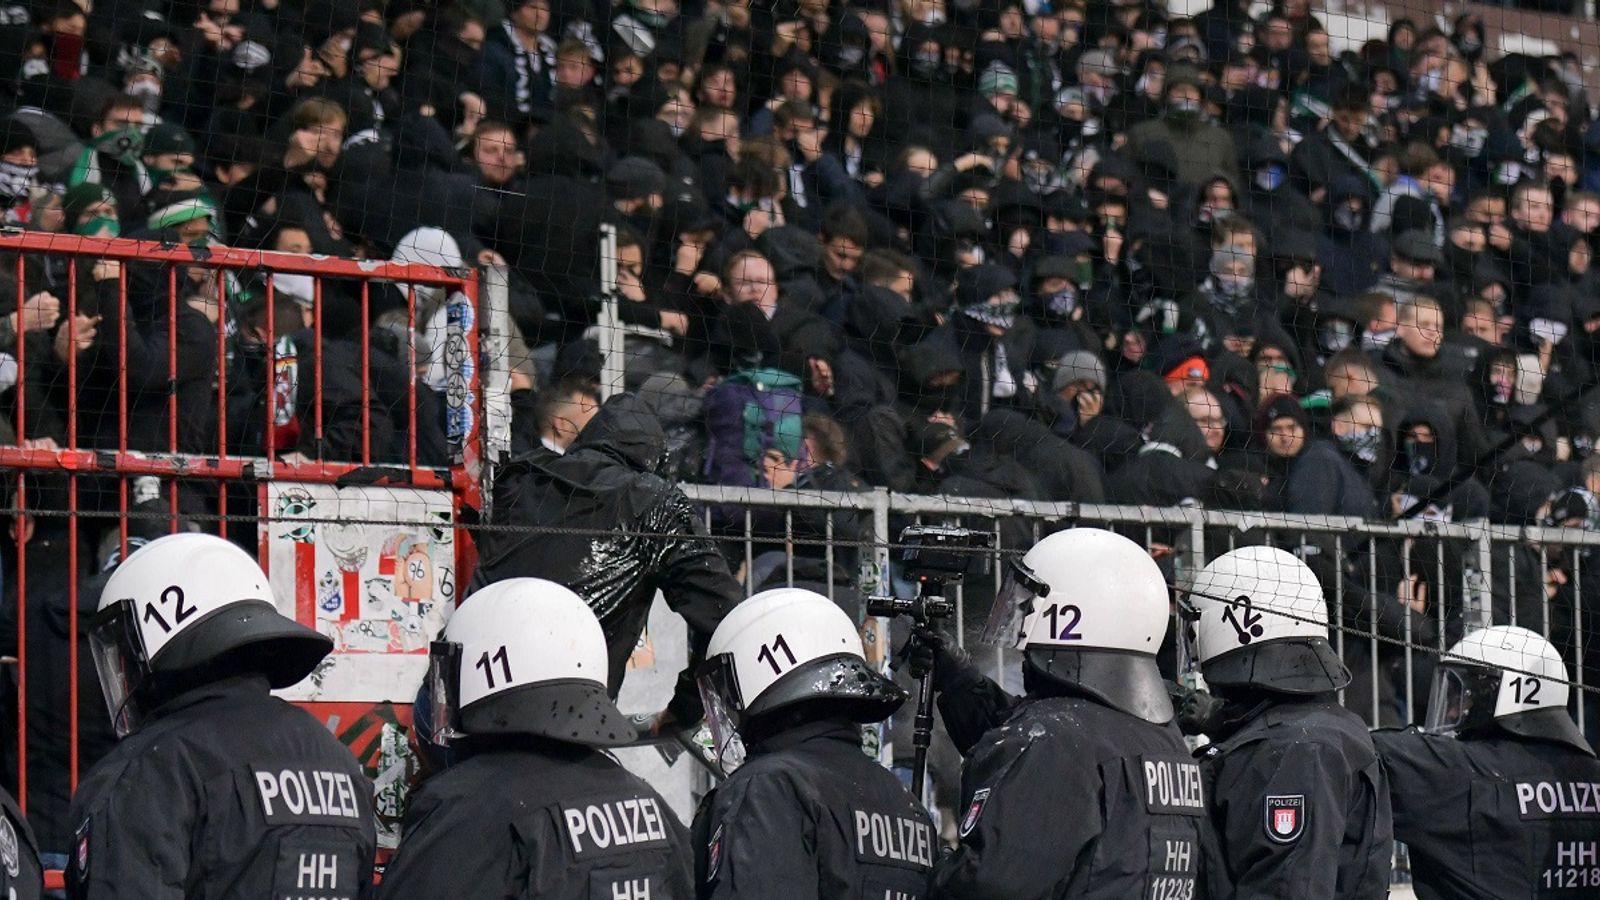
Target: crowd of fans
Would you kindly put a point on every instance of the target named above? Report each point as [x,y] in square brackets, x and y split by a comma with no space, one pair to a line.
[1053,251]
[1043,249]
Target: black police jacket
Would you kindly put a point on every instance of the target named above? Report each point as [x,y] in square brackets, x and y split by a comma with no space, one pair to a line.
[1494,817]
[537,819]
[21,874]
[1299,807]
[228,792]
[810,816]
[1071,798]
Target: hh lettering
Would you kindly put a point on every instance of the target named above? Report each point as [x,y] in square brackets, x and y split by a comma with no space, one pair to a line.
[317,871]
[632,889]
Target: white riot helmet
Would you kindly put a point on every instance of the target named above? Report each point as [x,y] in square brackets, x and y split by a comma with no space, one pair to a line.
[781,648]
[1503,676]
[1261,620]
[524,656]
[1090,609]
[186,602]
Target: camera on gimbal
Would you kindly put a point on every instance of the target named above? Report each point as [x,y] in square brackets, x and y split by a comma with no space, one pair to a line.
[934,556]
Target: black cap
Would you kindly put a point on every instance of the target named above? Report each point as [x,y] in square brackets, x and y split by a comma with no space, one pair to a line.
[1418,247]
[635,177]
[1053,267]
[976,285]
[167,138]
[370,36]
[15,135]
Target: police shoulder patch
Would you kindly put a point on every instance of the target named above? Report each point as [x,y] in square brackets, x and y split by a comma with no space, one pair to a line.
[10,856]
[714,855]
[974,811]
[1285,817]
[80,853]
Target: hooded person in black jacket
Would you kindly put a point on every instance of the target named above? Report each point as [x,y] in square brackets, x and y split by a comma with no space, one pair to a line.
[993,341]
[1352,256]
[1271,200]
[600,521]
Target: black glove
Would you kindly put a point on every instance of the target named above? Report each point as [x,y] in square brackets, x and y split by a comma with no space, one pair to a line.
[934,650]
[1198,711]
[686,709]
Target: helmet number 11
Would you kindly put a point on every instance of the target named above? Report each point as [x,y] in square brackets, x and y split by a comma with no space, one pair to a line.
[172,595]
[1071,614]
[486,663]
[769,654]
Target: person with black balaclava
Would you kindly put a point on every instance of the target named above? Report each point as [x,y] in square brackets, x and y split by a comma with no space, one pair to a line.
[1352,256]
[19,166]
[1271,200]
[1512,429]
[994,350]
[921,94]
[1298,802]
[1199,147]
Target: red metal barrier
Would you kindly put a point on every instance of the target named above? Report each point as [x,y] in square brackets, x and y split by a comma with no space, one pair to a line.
[65,479]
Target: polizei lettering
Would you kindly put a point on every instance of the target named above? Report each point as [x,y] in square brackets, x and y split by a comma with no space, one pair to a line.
[898,840]
[1558,799]
[1173,787]
[616,825]
[298,795]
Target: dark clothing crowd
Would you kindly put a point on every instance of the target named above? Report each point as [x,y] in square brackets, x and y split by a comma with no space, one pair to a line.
[1055,251]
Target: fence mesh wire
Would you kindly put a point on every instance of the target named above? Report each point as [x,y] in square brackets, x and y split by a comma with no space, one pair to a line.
[1318,276]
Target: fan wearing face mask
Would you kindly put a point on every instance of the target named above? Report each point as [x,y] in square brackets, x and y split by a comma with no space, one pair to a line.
[19,167]
[994,341]
[1271,197]
[1352,257]
[1199,146]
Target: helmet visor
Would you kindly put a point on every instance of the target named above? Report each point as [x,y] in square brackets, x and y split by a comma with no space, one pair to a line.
[119,659]
[1462,696]
[444,694]
[1019,588]
[719,692]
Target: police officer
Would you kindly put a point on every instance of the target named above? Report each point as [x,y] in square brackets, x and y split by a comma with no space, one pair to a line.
[1087,789]
[532,809]
[21,873]
[217,788]
[1499,796]
[806,814]
[1299,805]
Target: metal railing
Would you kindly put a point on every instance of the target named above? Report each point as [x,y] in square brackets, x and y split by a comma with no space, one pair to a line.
[1475,573]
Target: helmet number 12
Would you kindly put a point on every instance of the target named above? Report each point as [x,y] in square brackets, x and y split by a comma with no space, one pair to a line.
[769,654]
[173,595]
[1072,615]
[486,663]
[1525,689]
